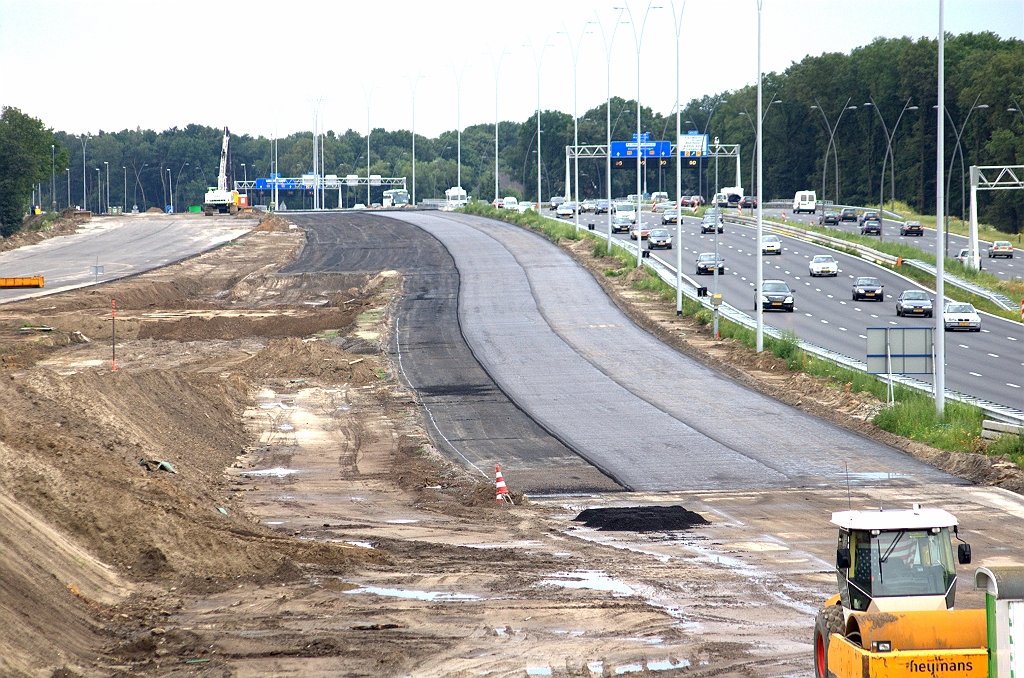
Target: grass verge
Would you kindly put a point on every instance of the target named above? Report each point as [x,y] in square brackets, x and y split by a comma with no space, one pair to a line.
[912,416]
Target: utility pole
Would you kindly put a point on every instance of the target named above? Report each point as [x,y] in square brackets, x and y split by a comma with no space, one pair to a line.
[940,206]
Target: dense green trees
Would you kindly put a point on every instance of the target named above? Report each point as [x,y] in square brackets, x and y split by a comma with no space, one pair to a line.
[26,151]
[982,70]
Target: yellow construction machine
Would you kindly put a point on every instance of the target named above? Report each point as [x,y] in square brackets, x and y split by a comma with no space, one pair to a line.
[893,615]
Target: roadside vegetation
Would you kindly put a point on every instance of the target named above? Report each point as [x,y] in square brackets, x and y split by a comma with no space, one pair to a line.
[913,413]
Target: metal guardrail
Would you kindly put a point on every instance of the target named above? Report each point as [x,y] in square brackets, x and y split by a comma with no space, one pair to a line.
[667,272]
[788,204]
[1000,300]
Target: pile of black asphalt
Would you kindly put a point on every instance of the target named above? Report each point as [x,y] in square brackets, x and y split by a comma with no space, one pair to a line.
[640,518]
[470,419]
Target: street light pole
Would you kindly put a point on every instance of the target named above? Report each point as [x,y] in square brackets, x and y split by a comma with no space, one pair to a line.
[458,120]
[760,202]
[413,83]
[678,20]
[177,180]
[638,43]
[889,153]
[53,176]
[107,164]
[831,145]
[170,189]
[124,208]
[574,50]
[940,160]
[496,67]
[608,43]
[949,175]
[537,64]
[85,198]
[368,96]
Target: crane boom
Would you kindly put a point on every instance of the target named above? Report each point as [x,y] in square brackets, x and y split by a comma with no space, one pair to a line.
[222,178]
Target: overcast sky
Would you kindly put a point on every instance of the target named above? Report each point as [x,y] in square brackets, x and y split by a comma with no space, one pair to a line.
[260,67]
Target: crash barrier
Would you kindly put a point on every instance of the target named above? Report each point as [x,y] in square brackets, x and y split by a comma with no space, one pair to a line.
[788,204]
[1004,612]
[690,289]
[993,430]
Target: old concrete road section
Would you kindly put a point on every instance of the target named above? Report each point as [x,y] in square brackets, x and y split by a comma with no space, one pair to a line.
[474,422]
[643,413]
[124,245]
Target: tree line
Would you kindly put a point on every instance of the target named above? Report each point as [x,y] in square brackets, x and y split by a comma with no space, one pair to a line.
[827,131]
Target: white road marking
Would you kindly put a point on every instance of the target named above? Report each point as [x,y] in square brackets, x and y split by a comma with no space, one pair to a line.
[1012,338]
[841,302]
[816,289]
[873,315]
[964,346]
[856,309]
[808,315]
[974,374]
[986,331]
[842,329]
[825,321]
[993,355]
[1012,385]
[862,336]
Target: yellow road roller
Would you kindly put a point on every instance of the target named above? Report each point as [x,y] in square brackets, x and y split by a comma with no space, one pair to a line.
[893,615]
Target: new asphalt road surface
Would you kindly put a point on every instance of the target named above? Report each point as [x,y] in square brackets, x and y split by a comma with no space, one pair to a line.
[645,414]
[123,246]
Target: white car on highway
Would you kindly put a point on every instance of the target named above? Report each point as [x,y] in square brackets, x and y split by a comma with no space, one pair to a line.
[770,244]
[823,264]
[960,316]
[525,207]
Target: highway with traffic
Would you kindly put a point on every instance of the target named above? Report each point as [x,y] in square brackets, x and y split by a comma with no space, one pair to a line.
[985,365]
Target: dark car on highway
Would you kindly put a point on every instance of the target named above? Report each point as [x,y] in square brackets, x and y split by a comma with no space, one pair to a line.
[555,202]
[914,302]
[621,224]
[870,215]
[776,295]
[871,227]
[829,218]
[912,228]
[706,264]
[659,237]
[748,201]
[707,225]
[868,288]
[848,214]
[601,207]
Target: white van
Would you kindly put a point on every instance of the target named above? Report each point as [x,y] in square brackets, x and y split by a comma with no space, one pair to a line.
[510,203]
[805,201]
[625,209]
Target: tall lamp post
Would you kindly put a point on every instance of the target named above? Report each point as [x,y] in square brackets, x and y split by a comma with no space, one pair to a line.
[99,192]
[496,67]
[678,20]
[53,176]
[949,175]
[889,153]
[170,190]
[368,95]
[85,198]
[107,165]
[458,120]
[608,43]
[638,38]
[753,128]
[537,61]
[707,123]
[177,181]
[574,50]
[125,207]
[940,155]
[831,144]
[413,82]
[759,342]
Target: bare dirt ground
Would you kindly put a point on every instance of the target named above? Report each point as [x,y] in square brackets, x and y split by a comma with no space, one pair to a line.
[252,493]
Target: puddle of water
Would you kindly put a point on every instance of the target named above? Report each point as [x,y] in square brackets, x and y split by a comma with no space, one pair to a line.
[596,668]
[629,668]
[588,579]
[285,427]
[430,596]
[666,665]
[276,472]
[878,475]
[401,521]
[361,544]
[538,671]
[499,631]
[275,522]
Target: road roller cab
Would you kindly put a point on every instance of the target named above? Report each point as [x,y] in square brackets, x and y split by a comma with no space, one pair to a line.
[894,615]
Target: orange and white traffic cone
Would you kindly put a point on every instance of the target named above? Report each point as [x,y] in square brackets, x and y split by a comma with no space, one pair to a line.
[501,492]
[783,216]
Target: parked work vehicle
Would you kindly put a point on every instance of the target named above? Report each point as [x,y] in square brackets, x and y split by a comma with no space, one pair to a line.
[893,615]
[219,199]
